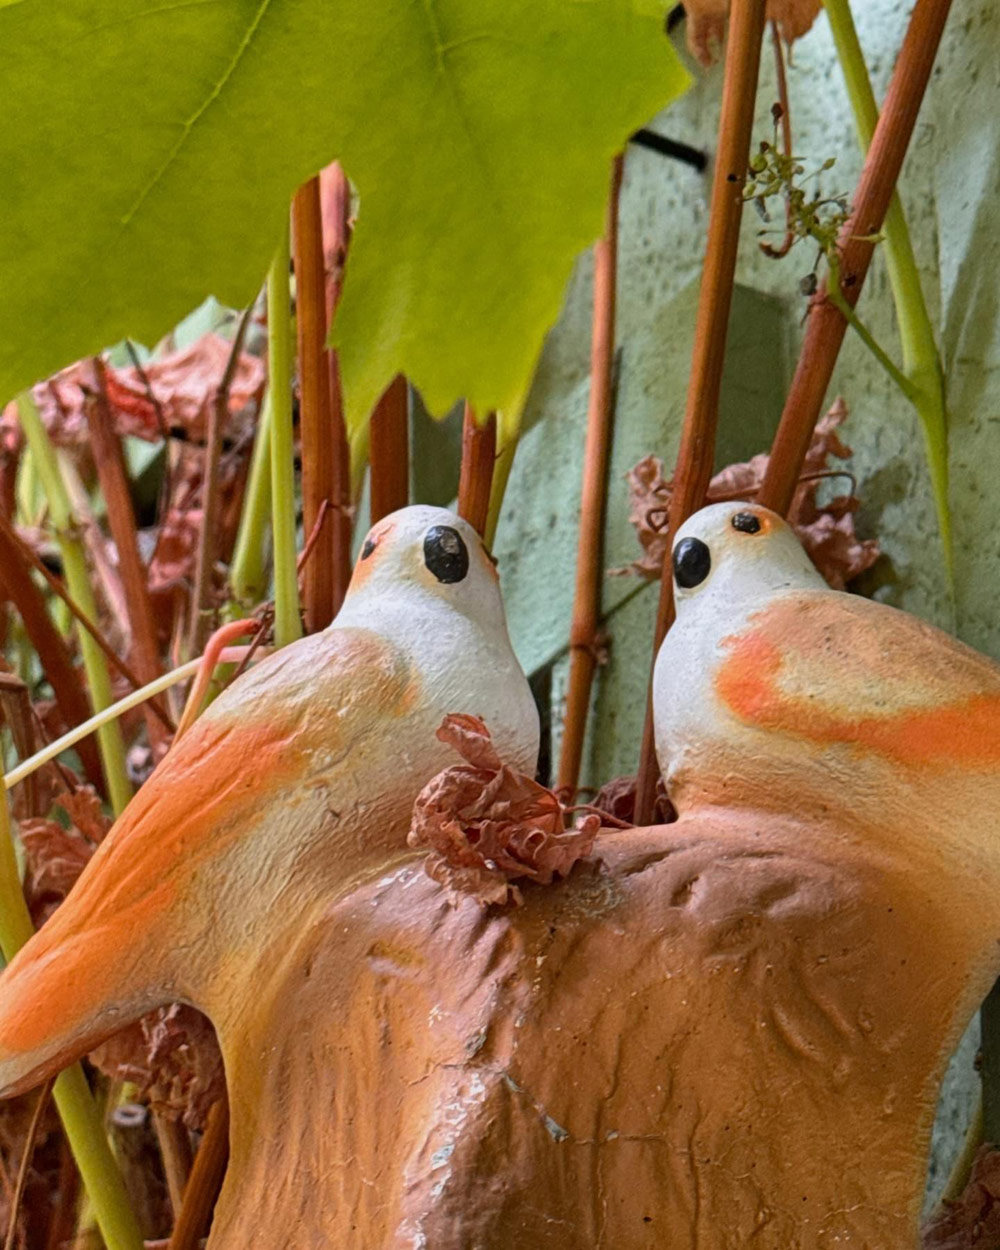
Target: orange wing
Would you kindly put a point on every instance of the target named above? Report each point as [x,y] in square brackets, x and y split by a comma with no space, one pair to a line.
[837,668]
[93,967]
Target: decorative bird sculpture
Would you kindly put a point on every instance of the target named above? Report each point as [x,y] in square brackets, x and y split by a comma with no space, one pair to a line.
[293,786]
[773,689]
[724,1032]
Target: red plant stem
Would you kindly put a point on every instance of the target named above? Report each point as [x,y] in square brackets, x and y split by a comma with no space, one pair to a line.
[16,584]
[210,659]
[175,1151]
[114,659]
[205,1181]
[587,597]
[340,516]
[312,542]
[776,253]
[10,460]
[315,424]
[167,486]
[110,462]
[22,1171]
[389,451]
[475,480]
[18,714]
[208,541]
[695,459]
[827,326]
[64,1213]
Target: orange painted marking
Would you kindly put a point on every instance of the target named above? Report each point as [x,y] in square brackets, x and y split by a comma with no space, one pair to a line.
[963,733]
[363,566]
[204,796]
[768,521]
[212,789]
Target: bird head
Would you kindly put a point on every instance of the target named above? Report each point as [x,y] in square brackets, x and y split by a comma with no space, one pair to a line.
[729,561]
[774,690]
[424,556]
[731,555]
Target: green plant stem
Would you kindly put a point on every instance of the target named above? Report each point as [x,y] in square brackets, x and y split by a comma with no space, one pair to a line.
[921,362]
[248,572]
[961,1169]
[108,715]
[508,435]
[47,639]
[109,737]
[79,1115]
[836,296]
[287,621]
[358,445]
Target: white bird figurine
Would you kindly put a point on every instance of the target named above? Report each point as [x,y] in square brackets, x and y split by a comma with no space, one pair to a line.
[772,689]
[294,785]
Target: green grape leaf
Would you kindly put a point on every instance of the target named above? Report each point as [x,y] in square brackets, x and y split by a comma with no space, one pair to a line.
[150,149]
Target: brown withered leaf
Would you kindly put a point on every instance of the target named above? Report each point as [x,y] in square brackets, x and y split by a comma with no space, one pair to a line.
[617,798]
[60,404]
[176,543]
[42,1187]
[488,826]
[649,499]
[171,564]
[706,23]
[471,739]
[56,857]
[184,384]
[826,530]
[83,807]
[172,1055]
[972,1222]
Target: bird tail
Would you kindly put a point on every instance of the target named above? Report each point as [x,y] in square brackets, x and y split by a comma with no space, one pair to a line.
[72,986]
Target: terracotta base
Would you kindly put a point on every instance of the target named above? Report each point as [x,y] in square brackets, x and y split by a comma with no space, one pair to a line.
[728,1032]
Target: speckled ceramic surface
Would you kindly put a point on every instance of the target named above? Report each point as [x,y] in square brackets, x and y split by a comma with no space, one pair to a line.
[294,785]
[724,1032]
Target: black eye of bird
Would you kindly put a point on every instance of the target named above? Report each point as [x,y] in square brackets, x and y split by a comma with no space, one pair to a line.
[746,523]
[446,554]
[692,563]
[368,548]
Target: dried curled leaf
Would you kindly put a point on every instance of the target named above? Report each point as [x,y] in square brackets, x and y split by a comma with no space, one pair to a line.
[83,807]
[649,500]
[488,826]
[706,23]
[183,384]
[41,1192]
[825,530]
[56,857]
[172,1055]
[617,798]
[174,555]
[972,1222]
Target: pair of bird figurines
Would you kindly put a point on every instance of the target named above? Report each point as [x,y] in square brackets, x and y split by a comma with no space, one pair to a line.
[727,1031]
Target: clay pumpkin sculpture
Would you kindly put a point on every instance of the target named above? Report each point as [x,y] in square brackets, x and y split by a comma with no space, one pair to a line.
[291,788]
[724,1032]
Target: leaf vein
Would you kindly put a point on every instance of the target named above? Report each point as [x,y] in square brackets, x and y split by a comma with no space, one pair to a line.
[193,120]
[441,47]
[120,22]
